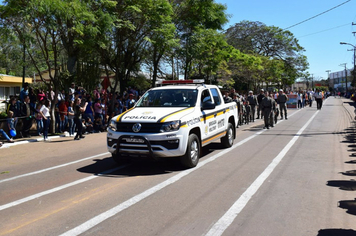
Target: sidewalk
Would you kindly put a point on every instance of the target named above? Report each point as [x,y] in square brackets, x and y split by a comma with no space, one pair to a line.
[19,141]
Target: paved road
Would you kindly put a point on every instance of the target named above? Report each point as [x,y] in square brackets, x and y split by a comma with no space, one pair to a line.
[294,179]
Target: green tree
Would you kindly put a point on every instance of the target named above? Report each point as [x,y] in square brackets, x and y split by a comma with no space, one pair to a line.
[271,42]
[191,16]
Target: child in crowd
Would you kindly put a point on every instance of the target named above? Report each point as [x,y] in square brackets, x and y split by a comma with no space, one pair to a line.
[89,126]
[11,120]
[98,125]
[4,134]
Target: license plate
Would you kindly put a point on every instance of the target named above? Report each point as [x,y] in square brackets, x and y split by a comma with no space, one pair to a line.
[134,140]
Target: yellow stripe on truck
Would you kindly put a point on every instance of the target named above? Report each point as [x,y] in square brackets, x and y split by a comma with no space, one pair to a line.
[165,118]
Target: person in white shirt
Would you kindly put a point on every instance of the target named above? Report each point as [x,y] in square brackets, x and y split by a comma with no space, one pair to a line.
[44,111]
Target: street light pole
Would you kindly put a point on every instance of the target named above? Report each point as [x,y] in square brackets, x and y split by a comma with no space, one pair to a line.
[354,72]
[344,64]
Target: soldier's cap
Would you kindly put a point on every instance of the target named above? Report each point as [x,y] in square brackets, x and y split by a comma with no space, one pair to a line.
[281,90]
[250,91]
[262,90]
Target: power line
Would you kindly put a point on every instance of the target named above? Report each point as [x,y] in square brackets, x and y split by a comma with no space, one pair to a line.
[318,15]
[324,30]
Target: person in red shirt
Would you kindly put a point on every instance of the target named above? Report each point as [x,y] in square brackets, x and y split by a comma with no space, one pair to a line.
[63,112]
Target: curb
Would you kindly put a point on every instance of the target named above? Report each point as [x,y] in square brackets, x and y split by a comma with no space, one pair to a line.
[32,140]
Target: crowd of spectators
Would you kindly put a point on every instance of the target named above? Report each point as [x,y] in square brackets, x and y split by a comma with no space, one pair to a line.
[32,108]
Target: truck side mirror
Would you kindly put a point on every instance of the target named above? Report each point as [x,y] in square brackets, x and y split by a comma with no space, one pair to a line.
[209,105]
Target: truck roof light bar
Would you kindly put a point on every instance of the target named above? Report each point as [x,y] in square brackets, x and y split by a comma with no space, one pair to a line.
[193,81]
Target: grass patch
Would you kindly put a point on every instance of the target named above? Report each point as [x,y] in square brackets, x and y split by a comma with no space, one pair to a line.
[4,172]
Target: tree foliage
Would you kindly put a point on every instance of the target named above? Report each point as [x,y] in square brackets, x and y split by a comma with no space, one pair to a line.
[80,40]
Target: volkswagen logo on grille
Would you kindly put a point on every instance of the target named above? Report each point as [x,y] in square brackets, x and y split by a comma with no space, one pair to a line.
[136,127]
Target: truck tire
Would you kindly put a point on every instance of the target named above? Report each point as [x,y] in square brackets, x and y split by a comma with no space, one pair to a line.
[119,159]
[228,140]
[191,157]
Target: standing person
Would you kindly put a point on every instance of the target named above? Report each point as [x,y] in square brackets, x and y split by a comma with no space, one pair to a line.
[44,111]
[33,98]
[41,96]
[259,100]
[266,106]
[39,119]
[248,112]
[24,92]
[130,102]
[299,98]
[98,109]
[78,110]
[272,114]
[63,111]
[89,112]
[27,112]
[71,124]
[281,100]
[71,92]
[96,92]
[252,100]
[310,98]
[319,99]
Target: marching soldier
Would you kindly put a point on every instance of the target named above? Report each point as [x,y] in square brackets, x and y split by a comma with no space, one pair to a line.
[281,100]
[272,115]
[259,100]
[252,100]
[266,106]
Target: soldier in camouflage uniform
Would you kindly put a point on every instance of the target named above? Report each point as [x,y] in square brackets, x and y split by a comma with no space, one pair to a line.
[252,100]
[266,106]
[281,100]
[272,115]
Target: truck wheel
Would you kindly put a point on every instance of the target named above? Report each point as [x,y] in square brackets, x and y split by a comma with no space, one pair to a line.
[191,157]
[228,140]
[119,159]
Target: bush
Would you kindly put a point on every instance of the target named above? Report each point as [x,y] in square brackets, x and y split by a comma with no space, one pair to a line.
[3,115]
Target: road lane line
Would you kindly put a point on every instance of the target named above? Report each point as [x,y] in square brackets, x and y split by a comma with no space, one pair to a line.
[225,221]
[29,198]
[52,168]
[113,211]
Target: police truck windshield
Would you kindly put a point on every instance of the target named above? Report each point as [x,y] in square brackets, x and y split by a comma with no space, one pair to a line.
[169,98]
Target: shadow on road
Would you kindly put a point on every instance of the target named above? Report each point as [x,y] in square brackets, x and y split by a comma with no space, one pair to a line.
[348,185]
[337,232]
[349,205]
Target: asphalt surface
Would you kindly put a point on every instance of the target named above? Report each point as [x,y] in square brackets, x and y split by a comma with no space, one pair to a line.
[295,179]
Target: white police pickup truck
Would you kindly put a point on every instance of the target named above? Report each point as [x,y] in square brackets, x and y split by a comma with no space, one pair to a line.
[173,121]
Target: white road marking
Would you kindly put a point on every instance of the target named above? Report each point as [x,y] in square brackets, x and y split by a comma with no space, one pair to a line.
[29,198]
[54,167]
[98,219]
[225,221]
[113,211]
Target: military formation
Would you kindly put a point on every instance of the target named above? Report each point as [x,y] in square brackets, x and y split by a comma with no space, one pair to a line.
[267,106]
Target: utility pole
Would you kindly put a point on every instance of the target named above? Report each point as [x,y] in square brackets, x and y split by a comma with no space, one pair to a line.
[353,71]
[328,71]
[344,64]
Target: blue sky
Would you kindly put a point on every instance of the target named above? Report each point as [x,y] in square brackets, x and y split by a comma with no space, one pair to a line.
[320,36]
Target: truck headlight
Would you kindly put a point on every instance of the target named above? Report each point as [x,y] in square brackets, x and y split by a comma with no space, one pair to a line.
[170,126]
[112,125]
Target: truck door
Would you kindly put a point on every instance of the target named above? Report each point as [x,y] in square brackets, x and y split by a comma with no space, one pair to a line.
[209,125]
[220,112]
